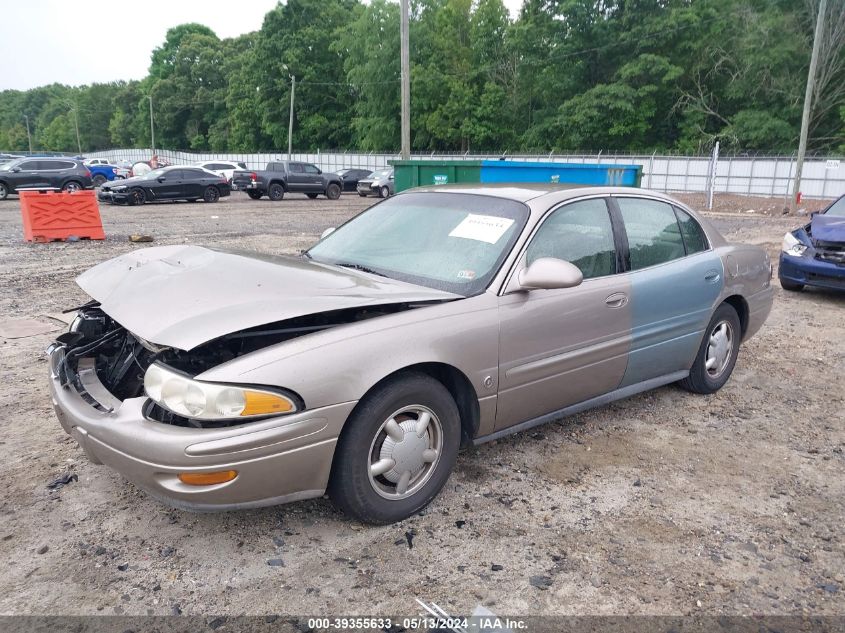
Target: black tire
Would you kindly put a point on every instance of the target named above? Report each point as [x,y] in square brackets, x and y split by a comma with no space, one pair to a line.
[72,185]
[211,194]
[384,192]
[311,195]
[276,192]
[136,197]
[790,286]
[99,180]
[363,195]
[4,191]
[333,191]
[255,195]
[705,380]
[353,489]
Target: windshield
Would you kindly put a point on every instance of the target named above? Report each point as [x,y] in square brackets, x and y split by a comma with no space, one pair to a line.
[7,163]
[155,173]
[382,173]
[837,208]
[447,241]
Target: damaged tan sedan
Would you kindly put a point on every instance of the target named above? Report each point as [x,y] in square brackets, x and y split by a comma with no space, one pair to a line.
[436,319]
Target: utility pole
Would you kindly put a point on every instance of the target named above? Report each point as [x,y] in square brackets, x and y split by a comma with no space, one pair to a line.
[808,102]
[405,81]
[152,129]
[76,123]
[290,122]
[28,135]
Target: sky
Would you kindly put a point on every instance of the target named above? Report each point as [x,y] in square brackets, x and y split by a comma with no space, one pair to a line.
[46,42]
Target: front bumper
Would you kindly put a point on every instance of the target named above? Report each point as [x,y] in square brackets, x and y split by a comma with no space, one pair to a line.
[367,189]
[811,271]
[113,197]
[278,460]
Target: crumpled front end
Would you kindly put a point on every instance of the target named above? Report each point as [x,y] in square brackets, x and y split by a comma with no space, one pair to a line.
[814,255]
[97,387]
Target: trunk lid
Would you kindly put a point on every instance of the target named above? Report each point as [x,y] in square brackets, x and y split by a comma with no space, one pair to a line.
[184,296]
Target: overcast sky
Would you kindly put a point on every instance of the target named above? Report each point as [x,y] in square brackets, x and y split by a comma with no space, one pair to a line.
[74,43]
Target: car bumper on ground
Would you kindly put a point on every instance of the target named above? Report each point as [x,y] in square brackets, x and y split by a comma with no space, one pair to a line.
[277,460]
[810,271]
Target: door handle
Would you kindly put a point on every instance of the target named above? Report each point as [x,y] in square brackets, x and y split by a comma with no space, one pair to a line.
[712,276]
[617,300]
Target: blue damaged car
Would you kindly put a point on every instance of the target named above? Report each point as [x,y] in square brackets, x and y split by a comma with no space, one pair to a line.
[814,254]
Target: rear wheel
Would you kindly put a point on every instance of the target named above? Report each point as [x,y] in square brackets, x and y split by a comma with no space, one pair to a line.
[137,196]
[276,192]
[255,195]
[99,180]
[211,194]
[717,354]
[333,191]
[397,450]
[311,195]
[4,191]
[72,186]
[790,285]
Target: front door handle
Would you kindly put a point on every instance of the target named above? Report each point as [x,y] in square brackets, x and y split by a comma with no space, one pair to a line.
[617,300]
[711,276]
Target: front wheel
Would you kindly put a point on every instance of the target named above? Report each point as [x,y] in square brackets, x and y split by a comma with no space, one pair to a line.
[137,196]
[211,194]
[255,195]
[333,191]
[4,191]
[396,450]
[276,192]
[385,192]
[717,354]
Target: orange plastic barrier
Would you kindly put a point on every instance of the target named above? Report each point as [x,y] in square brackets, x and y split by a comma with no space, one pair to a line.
[53,215]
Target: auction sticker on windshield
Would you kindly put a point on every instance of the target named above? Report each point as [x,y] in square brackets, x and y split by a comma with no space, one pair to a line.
[483,228]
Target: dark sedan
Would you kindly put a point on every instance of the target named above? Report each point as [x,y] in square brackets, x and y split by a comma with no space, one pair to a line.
[351,176]
[167,183]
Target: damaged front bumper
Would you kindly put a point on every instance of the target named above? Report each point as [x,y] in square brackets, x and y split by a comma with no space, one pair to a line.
[810,270]
[277,459]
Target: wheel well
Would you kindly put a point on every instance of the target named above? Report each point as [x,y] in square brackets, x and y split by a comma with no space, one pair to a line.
[741,306]
[458,385]
[277,182]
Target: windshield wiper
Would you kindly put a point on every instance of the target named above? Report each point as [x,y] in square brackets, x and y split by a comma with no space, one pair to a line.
[363,269]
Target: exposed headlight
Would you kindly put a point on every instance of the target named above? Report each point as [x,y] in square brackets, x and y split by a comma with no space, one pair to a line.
[210,401]
[792,245]
[118,187]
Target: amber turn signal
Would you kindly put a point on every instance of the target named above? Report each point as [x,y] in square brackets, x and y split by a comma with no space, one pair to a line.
[207,479]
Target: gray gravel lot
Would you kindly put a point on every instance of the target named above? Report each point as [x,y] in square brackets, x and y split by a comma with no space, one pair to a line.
[665,503]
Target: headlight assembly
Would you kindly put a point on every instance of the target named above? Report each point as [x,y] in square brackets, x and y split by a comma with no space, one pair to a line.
[211,401]
[792,245]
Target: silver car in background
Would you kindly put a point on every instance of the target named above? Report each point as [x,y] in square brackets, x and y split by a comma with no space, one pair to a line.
[436,319]
[379,183]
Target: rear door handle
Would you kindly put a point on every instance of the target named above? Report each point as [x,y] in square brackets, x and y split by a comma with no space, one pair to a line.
[711,276]
[617,300]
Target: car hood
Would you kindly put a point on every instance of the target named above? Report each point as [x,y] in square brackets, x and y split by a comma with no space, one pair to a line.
[828,228]
[184,296]
[127,182]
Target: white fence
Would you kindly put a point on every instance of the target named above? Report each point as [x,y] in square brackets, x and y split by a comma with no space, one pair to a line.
[769,176]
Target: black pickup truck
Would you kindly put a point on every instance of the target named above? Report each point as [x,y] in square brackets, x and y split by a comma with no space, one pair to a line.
[282,177]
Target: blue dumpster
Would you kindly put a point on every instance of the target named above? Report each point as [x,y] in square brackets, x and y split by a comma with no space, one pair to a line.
[567,173]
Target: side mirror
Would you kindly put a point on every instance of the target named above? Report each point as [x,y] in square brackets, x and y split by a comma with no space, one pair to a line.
[16,169]
[548,273]
[161,178]
[327,232]
[319,171]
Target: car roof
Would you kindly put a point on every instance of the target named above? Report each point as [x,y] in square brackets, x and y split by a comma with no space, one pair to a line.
[521,192]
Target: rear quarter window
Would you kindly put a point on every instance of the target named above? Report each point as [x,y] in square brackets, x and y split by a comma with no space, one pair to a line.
[695,240]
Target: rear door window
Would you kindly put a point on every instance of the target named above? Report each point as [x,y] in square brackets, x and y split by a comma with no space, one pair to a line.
[654,236]
[296,168]
[695,240]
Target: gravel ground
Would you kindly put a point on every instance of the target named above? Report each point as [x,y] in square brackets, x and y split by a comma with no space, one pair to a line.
[665,503]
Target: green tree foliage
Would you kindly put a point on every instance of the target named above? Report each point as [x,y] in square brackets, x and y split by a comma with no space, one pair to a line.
[639,75]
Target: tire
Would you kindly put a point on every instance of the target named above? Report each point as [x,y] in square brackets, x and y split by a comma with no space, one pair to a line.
[4,191]
[384,192]
[791,286]
[311,195]
[255,195]
[363,195]
[378,498]
[276,192]
[723,334]
[99,180]
[211,194]
[333,191]
[136,197]
[72,186]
